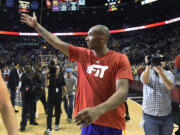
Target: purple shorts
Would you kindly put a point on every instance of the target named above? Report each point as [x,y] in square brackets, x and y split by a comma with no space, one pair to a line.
[93,129]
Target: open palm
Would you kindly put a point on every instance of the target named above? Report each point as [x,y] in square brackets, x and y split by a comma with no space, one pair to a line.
[29,20]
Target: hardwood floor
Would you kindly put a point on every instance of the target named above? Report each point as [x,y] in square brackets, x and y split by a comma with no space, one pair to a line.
[132,126]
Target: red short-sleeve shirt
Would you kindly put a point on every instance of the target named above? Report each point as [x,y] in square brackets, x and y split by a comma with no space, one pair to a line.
[97,82]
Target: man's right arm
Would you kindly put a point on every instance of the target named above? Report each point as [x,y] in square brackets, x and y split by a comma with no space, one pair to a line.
[49,37]
[52,39]
[145,75]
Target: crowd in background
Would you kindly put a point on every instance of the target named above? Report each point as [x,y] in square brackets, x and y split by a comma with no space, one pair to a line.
[135,44]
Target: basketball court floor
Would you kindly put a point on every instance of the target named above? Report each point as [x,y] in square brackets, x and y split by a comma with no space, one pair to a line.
[132,126]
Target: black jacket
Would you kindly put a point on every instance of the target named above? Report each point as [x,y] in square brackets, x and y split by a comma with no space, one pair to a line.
[30,85]
[26,82]
[13,79]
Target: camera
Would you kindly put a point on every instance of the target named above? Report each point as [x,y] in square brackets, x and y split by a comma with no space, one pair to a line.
[155,60]
[52,68]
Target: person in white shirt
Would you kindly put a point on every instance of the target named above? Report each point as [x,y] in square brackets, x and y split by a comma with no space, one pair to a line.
[71,82]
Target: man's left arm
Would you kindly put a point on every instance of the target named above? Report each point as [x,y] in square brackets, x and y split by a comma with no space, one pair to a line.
[89,115]
[167,82]
[65,89]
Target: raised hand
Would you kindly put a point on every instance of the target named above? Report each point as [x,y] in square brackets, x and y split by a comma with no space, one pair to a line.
[29,20]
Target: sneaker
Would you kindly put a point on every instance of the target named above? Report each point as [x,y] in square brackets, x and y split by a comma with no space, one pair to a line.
[22,129]
[16,111]
[47,132]
[33,123]
[69,120]
[127,117]
[56,127]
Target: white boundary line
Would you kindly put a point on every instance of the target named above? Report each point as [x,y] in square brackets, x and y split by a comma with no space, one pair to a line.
[134,102]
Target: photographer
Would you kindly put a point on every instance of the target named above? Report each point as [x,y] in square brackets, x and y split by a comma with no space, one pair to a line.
[56,83]
[157,86]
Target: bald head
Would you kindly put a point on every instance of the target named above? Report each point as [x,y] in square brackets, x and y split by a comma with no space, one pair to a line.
[102,29]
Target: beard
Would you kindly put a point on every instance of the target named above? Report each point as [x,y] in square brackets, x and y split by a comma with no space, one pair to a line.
[89,46]
[94,45]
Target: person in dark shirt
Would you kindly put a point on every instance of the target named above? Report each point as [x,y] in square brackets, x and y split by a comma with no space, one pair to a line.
[28,97]
[56,83]
[13,82]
